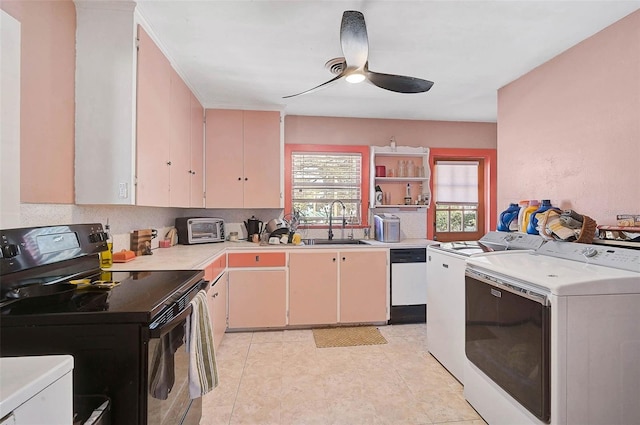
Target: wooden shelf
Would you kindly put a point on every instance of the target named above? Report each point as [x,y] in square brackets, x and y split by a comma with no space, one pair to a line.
[395,186]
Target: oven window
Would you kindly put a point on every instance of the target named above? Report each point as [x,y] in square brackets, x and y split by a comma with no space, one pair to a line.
[507,336]
[204,230]
[168,383]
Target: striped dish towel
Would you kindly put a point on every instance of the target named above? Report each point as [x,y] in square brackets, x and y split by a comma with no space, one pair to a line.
[203,371]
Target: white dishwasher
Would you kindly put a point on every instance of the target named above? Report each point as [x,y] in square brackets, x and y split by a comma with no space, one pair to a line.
[408,285]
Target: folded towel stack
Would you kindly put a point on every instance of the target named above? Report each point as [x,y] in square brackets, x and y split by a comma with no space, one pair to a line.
[203,371]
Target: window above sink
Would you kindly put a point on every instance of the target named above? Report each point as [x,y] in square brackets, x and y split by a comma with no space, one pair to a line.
[317,175]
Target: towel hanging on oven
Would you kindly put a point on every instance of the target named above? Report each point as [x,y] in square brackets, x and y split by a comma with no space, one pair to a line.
[162,367]
[203,371]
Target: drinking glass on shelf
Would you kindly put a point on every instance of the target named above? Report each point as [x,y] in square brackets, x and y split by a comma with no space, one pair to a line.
[390,172]
[401,169]
[421,171]
[410,169]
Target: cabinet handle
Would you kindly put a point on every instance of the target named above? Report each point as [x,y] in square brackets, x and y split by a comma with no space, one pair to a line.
[246,178]
[214,295]
[168,162]
[344,258]
[239,178]
[257,258]
[446,266]
[193,172]
[334,259]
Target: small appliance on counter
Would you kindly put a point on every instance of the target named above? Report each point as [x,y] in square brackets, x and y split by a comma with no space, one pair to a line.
[387,227]
[193,230]
[254,227]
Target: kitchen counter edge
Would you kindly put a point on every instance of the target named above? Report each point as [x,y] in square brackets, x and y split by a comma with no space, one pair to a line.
[197,257]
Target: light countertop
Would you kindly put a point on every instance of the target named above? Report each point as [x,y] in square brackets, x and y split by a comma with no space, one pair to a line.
[197,257]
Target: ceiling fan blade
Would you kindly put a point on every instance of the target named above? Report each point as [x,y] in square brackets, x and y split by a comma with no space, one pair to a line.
[398,83]
[353,38]
[328,83]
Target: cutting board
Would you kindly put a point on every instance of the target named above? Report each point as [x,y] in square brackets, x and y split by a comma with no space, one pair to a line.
[141,241]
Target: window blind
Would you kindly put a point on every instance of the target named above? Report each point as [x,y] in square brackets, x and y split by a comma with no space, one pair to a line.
[456,182]
[320,178]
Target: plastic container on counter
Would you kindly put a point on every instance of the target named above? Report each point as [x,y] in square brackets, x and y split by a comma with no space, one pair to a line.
[533,206]
[532,225]
[507,217]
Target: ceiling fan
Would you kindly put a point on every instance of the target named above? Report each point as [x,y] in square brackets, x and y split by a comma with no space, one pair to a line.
[354,66]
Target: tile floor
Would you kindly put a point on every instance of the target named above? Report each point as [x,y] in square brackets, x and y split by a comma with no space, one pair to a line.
[281,378]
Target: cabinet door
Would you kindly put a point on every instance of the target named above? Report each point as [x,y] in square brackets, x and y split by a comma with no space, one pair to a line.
[153,127]
[224,167]
[219,304]
[196,199]
[257,298]
[180,147]
[313,288]
[263,157]
[363,286]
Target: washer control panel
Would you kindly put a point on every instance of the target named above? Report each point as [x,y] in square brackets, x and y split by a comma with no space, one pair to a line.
[617,258]
[503,241]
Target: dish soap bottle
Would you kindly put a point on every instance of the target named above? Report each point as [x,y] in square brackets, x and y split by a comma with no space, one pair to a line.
[106,257]
[407,195]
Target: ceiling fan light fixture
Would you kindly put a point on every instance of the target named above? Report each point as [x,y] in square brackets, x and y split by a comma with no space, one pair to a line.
[354,65]
[355,78]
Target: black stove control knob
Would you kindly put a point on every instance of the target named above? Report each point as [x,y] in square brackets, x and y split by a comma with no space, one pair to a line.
[9,251]
[97,237]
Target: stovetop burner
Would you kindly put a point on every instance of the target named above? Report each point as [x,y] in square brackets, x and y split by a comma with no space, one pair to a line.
[36,279]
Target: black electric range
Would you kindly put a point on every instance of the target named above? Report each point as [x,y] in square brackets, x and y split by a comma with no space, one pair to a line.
[115,329]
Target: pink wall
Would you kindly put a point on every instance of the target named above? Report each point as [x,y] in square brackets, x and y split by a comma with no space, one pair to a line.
[47,98]
[377,132]
[569,130]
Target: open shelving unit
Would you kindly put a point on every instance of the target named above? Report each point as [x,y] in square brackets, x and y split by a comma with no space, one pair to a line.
[396,186]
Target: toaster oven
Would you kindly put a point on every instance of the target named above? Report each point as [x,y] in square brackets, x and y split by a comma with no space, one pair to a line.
[193,230]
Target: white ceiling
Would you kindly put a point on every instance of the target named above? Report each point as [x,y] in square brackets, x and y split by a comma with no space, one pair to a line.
[249,54]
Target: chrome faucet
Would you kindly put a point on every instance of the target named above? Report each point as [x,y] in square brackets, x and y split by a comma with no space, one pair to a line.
[331,217]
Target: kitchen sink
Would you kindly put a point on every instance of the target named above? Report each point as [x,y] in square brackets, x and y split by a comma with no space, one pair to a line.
[333,242]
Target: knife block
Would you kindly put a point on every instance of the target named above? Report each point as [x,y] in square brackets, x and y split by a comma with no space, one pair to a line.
[141,241]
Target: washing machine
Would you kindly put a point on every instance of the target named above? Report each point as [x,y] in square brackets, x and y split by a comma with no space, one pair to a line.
[445,291]
[553,336]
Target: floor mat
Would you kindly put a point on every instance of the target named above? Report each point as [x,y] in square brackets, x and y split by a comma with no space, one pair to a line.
[347,336]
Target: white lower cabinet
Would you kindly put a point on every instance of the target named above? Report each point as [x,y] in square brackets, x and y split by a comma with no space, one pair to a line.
[36,390]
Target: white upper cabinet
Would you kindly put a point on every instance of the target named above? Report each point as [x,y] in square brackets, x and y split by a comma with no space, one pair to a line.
[105,102]
[138,126]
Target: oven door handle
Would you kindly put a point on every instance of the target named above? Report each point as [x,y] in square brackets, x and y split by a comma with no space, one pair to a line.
[509,287]
[167,327]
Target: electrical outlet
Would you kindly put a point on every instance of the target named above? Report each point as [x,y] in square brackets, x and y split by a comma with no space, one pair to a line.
[123,190]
